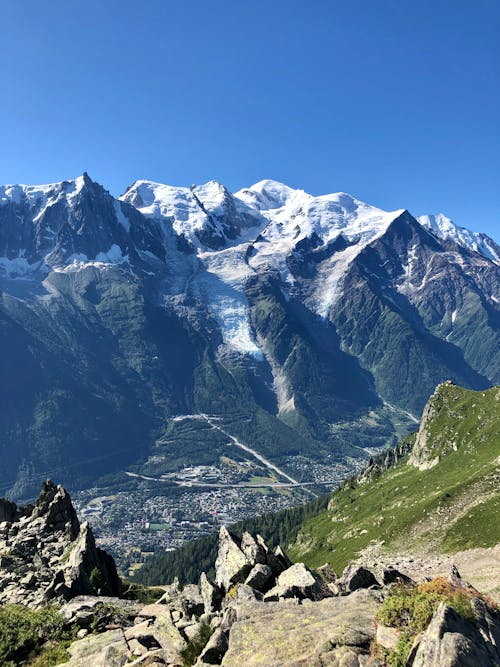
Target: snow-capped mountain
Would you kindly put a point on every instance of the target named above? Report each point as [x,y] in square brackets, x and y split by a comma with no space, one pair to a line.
[445,228]
[319,320]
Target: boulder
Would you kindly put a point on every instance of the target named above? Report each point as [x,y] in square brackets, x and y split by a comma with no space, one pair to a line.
[108,649]
[245,592]
[169,638]
[215,649]
[326,573]
[255,552]
[154,610]
[83,604]
[231,566]
[298,582]
[387,637]
[357,576]
[210,593]
[392,576]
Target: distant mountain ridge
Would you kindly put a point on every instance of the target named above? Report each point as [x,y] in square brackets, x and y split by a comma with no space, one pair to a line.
[307,324]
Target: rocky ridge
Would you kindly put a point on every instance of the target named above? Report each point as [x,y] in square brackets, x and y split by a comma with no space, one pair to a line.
[260,609]
[47,555]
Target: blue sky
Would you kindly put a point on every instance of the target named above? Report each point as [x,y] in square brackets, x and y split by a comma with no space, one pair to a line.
[394,101]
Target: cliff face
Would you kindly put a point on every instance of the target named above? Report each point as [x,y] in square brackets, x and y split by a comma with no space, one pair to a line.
[46,554]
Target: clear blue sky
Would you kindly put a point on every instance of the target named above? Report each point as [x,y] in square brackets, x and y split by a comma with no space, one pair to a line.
[395,101]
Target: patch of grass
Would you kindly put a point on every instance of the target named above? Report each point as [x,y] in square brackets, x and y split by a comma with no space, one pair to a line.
[52,653]
[476,528]
[32,636]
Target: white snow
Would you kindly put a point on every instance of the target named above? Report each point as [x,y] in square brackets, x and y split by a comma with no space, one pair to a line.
[103,260]
[121,217]
[273,219]
[221,287]
[281,218]
[177,205]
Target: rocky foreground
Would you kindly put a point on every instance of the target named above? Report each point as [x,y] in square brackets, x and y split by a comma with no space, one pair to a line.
[259,609]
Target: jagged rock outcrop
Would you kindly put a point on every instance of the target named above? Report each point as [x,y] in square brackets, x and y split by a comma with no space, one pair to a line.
[299,582]
[422,456]
[452,641]
[45,554]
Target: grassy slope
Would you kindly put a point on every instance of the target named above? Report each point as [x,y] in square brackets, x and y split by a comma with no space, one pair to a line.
[450,507]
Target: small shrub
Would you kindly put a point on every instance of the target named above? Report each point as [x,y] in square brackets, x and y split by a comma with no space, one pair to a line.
[51,654]
[196,645]
[411,608]
[232,592]
[97,580]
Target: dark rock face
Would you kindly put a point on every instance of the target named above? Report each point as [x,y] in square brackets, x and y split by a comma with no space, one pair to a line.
[45,554]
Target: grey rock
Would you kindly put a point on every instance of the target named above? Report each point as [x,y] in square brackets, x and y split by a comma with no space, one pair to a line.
[231,566]
[51,557]
[210,593]
[355,577]
[290,634]
[245,592]
[391,575]
[255,551]
[326,573]
[387,637]
[169,638]
[85,603]
[298,582]
[215,648]
[108,649]
[260,577]
[452,641]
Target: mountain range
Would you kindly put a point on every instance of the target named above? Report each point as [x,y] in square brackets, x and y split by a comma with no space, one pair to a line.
[302,326]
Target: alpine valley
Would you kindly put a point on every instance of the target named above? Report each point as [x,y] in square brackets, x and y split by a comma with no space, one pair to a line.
[218,355]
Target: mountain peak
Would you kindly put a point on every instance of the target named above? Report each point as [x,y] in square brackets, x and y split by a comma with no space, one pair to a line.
[266,194]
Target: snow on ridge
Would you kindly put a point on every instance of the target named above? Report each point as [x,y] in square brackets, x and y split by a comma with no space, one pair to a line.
[326,217]
[443,227]
[177,205]
[102,260]
[35,193]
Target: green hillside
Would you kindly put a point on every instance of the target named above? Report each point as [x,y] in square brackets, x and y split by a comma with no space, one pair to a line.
[450,506]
